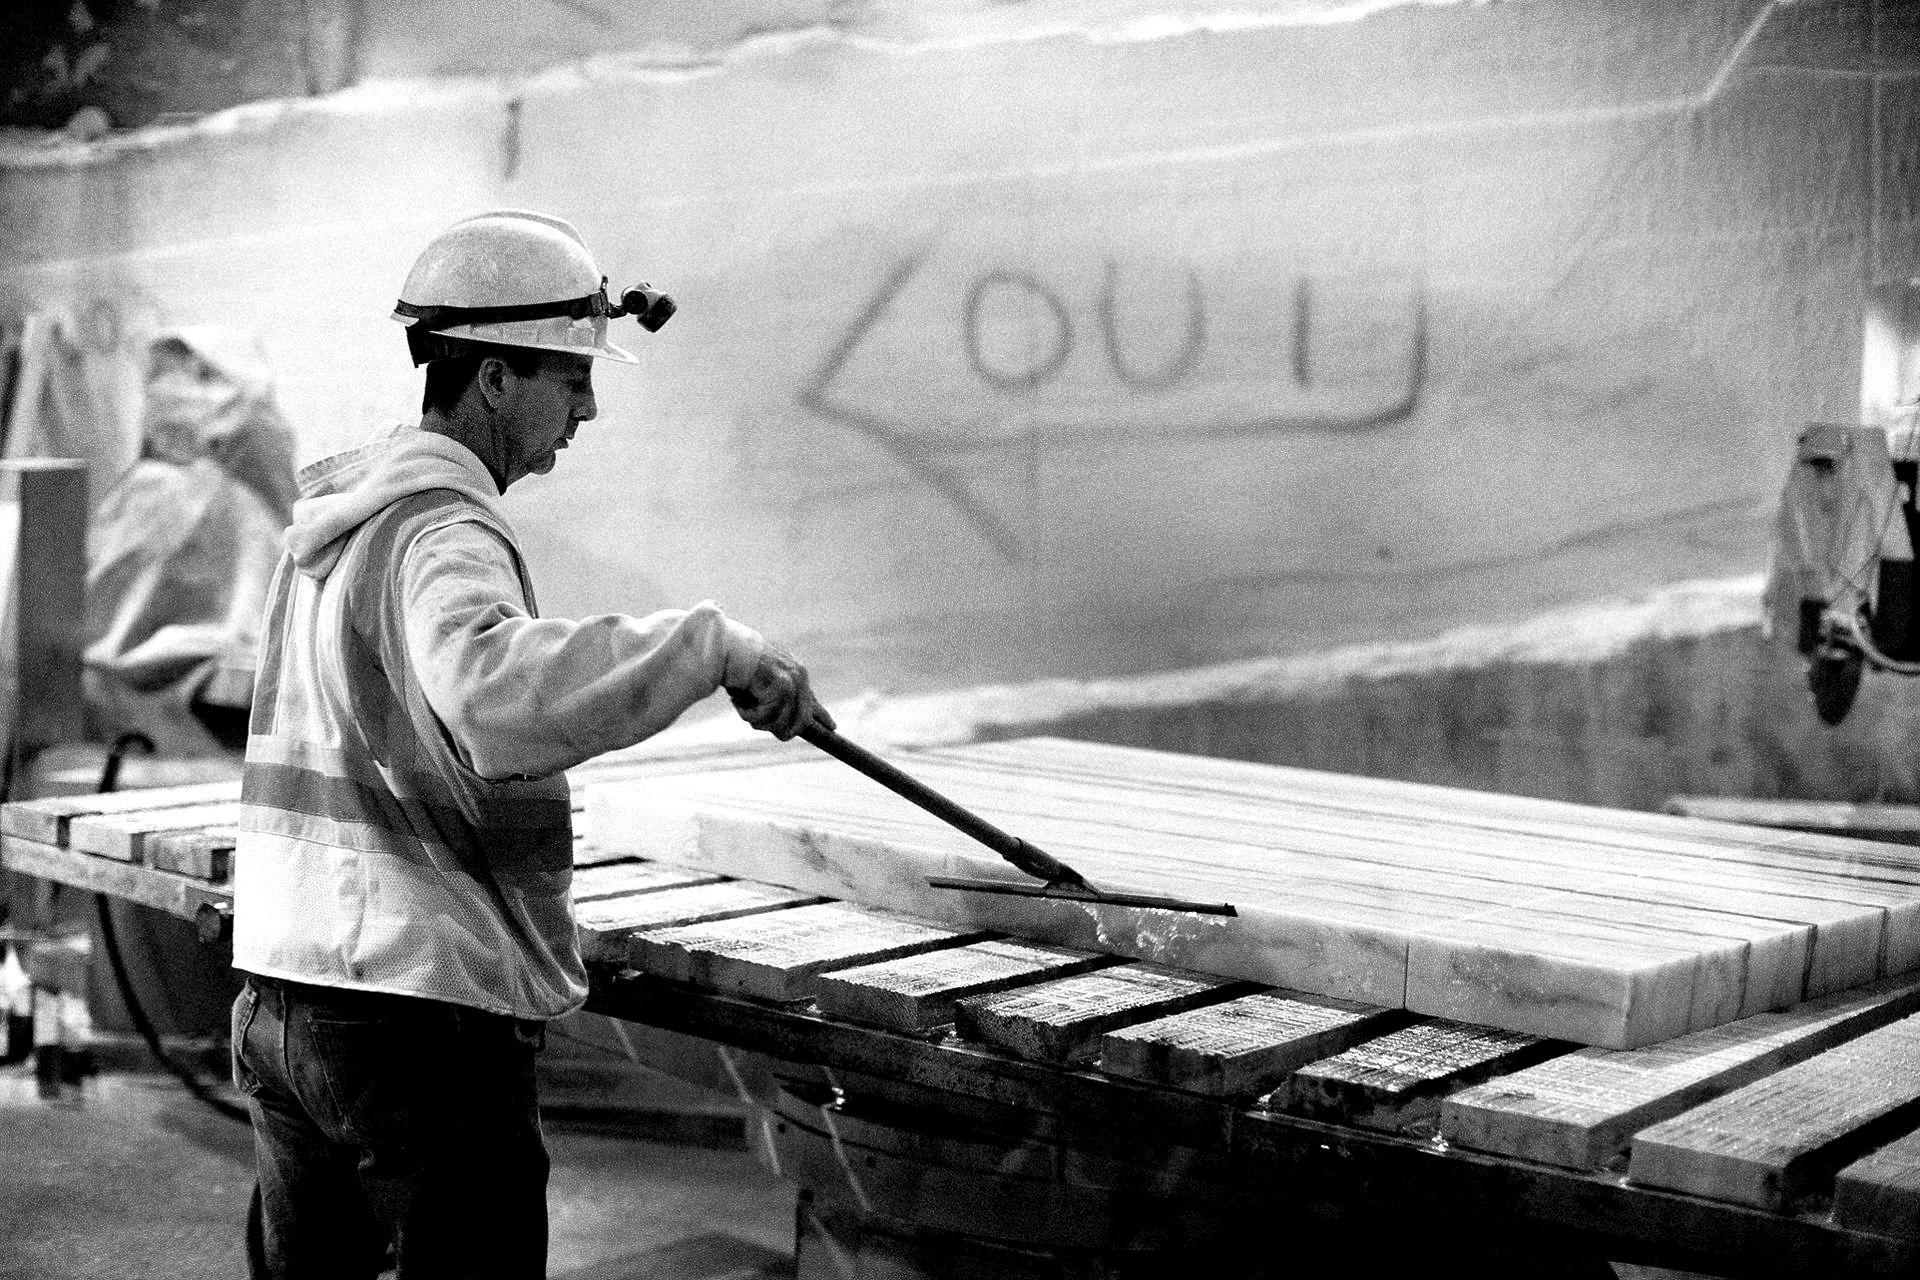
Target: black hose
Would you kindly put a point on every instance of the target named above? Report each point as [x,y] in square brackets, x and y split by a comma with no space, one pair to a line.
[110,772]
[110,941]
[197,1087]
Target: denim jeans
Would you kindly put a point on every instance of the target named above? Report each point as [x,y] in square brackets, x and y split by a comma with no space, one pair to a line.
[385,1122]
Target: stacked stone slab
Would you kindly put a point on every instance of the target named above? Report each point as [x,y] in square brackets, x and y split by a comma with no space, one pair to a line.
[1606,927]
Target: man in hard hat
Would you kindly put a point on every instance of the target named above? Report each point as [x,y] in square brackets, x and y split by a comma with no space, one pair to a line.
[401,902]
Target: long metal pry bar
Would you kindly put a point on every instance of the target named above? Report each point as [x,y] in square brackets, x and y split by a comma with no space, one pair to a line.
[1060,880]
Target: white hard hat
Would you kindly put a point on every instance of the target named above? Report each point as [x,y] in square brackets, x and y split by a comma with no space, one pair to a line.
[520,279]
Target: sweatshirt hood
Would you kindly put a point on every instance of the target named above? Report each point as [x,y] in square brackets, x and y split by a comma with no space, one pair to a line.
[343,492]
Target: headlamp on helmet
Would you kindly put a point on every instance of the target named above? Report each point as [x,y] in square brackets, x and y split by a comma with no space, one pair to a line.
[649,306]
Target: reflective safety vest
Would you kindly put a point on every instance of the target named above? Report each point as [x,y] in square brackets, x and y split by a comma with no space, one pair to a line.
[370,855]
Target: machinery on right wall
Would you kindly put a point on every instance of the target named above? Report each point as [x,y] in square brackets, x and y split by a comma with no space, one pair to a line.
[1841,579]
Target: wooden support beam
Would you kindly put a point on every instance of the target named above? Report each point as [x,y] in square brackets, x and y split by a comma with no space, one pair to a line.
[1779,1140]
[779,955]
[1580,1111]
[606,927]
[1377,1176]
[617,879]
[1400,1079]
[125,837]
[1242,1047]
[174,894]
[204,855]
[1881,1192]
[920,991]
[45,821]
[1062,1020]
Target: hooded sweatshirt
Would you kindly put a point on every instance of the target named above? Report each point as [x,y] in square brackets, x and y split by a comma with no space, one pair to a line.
[405,821]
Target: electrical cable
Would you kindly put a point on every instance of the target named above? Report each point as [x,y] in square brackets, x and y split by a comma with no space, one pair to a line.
[1853,634]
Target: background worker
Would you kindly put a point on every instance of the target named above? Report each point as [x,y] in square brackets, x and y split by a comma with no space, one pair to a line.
[402,903]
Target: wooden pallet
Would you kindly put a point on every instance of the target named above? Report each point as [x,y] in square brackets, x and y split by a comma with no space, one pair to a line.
[172,848]
[887,1009]
[1107,1058]
[169,848]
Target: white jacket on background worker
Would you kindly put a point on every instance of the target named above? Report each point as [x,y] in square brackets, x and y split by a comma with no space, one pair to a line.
[405,825]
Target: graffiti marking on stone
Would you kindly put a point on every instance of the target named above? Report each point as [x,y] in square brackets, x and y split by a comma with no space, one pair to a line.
[949,379]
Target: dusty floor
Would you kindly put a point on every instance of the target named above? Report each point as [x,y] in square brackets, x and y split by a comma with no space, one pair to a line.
[131,1178]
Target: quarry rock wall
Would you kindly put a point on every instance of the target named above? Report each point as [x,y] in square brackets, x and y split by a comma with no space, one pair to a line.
[1078,342]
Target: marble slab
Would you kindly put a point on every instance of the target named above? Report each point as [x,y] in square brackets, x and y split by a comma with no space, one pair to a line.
[1616,973]
[1216,778]
[1899,823]
[1564,921]
[1341,938]
[1605,836]
[1539,842]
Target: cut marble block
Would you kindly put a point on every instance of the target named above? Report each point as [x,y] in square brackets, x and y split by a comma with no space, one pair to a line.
[1851,914]
[1240,1047]
[1899,823]
[1780,1139]
[1603,835]
[1563,921]
[1345,939]
[1324,793]
[1614,972]
[1579,1111]
[919,991]
[779,955]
